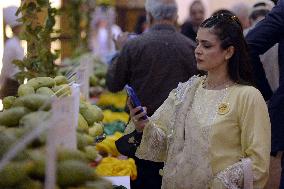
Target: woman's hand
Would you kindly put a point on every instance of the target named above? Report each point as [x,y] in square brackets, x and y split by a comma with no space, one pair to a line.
[136,117]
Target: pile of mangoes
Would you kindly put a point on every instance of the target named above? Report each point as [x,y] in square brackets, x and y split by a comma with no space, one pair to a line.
[98,78]
[25,112]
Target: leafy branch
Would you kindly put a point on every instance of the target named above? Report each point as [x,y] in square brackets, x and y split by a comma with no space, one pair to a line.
[40,59]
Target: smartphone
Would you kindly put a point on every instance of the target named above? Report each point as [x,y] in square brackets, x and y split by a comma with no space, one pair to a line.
[134,99]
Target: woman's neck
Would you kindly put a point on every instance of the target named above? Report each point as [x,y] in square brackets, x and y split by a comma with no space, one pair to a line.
[216,80]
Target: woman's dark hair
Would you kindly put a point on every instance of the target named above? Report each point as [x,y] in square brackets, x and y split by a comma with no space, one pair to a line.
[223,11]
[229,30]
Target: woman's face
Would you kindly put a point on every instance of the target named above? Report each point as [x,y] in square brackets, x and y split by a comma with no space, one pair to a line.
[208,53]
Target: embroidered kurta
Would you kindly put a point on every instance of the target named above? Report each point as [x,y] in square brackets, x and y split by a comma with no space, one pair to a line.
[202,135]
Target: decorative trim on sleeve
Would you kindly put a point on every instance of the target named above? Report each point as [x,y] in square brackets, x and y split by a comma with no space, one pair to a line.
[232,176]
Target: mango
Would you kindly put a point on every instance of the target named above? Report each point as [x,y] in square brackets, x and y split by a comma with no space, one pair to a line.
[13,174]
[82,124]
[25,89]
[8,101]
[74,173]
[34,102]
[96,130]
[45,91]
[94,80]
[31,184]
[41,82]
[91,113]
[62,90]
[12,116]
[6,140]
[84,140]
[38,159]
[64,154]
[91,153]
[59,80]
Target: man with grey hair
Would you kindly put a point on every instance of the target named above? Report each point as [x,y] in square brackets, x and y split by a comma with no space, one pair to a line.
[153,63]
[241,10]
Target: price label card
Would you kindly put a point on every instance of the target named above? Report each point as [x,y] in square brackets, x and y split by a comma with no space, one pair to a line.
[83,75]
[63,131]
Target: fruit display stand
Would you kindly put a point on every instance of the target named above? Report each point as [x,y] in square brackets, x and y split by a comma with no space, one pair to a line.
[27,113]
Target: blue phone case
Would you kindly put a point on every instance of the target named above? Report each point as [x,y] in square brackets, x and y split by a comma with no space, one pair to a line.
[134,99]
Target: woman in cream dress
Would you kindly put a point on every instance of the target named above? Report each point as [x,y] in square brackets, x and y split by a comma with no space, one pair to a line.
[212,131]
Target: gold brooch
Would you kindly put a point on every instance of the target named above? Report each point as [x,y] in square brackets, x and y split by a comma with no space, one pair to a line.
[223,108]
[131,140]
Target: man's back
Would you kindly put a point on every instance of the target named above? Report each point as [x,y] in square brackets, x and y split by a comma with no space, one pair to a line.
[153,64]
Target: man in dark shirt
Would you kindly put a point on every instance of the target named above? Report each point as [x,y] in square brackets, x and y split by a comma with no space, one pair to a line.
[153,63]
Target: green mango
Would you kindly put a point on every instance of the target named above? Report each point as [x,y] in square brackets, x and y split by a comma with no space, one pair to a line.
[91,113]
[6,141]
[12,116]
[91,153]
[13,174]
[64,154]
[45,91]
[102,82]
[25,89]
[100,72]
[34,102]
[74,173]
[59,80]
[96,130]
[82,124]
[33,119]
[62,90]
[8,138]
[31,184]
[94,80]
[8,101]
[41,82]
[38,159]
[84,140]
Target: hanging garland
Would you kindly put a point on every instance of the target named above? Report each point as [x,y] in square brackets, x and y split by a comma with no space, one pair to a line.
[39,60]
